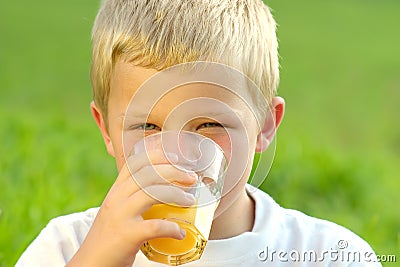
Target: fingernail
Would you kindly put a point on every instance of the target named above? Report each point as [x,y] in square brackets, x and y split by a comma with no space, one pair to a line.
[194,175]
[189,197]
[183,233]
[171,157]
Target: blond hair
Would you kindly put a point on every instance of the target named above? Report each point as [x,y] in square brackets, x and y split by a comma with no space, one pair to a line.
[162,33]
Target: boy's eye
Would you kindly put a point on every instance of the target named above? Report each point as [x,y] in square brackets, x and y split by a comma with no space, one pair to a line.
[144,127]
[210,124]
[148,127]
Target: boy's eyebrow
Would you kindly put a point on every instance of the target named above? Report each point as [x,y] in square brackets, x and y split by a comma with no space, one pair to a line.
[213,114]
[210,114]
[135,115]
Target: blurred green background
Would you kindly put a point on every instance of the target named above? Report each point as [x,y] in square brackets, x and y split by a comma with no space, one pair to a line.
[338,149]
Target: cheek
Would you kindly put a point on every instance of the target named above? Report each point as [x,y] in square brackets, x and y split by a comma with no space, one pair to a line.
[119,157]
[128,142]
[222,138]
[117,144]
[225,143]
[239,145]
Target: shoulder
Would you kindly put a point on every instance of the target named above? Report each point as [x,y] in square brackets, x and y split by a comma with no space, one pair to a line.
[293,231]
[293,221]
[59,240]
[73,226]
[75,220]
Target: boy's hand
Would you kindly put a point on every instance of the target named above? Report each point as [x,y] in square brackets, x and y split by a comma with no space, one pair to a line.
[119,231]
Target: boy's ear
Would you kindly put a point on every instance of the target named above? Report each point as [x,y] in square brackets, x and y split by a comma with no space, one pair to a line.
[98,118]
[271,124]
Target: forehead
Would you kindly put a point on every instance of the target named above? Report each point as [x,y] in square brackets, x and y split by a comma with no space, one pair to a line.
[125,81]
[136,91]
[191,99]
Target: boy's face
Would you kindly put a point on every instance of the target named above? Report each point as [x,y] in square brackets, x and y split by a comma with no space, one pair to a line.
[206,109]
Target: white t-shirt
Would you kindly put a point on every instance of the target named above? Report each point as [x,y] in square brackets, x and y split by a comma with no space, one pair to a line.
[280,237]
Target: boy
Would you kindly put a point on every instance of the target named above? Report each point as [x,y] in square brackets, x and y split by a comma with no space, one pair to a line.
[134,44]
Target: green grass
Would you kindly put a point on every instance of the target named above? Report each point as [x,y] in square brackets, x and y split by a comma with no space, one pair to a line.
[338,149]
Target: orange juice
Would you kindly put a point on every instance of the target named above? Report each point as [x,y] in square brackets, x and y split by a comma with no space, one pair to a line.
[197,223]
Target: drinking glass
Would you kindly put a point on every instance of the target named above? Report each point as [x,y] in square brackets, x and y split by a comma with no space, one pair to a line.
[191,152]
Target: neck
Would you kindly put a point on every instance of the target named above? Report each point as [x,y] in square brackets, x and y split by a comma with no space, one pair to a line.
[236,219]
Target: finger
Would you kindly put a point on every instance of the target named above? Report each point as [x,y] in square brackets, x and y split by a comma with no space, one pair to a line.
[135,162]
[162,174]
[142,200]
[156,228]
[151,157]
[154,175]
